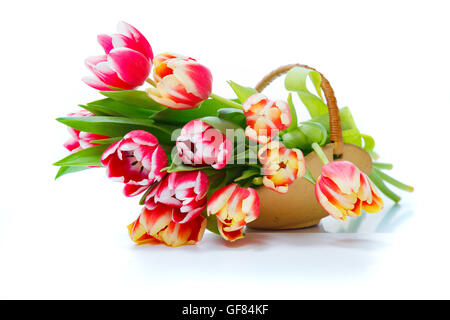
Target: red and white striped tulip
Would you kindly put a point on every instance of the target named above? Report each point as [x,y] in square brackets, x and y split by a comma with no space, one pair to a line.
[200,144]
[136,160]
[281,165]
[265,118]
[185,191]
[234,207]
[127,61]
[79,139]
[156,226]
[181,82]
[343,190]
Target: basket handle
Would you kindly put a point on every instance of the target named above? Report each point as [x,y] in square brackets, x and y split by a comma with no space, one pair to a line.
[333,110]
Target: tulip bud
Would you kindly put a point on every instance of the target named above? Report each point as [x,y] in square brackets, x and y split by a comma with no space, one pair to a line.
[343,190]
[136,160]
[126,63]
[181,82]
[200,144]
[234,207]
[156,226]
[281,166]
[265,118]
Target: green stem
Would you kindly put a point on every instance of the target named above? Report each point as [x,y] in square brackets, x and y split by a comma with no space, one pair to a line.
[320,152]
[393,181]
[383,188]
[309,177]
[381,165]
[230,103]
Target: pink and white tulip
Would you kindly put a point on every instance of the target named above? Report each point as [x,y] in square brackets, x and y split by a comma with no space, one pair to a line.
[81,140]
[156,226]
[181,82]
[234,207]
[126,63]
[200,144]
[265,118]
[281,165]
[185,191]
[136,160]
[343,190]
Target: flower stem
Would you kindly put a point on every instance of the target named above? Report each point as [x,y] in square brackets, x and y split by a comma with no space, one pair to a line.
[151,82]
[320,152]
[230,103]
[309,177]
[393,181]
[381,165]
[382,187]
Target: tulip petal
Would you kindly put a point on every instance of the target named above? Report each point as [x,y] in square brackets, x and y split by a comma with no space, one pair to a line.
[131,66]
[345,174]
[140,42]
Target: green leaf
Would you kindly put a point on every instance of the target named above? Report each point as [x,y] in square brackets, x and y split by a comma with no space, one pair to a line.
[369,142]
[106,141]
[248,173]
[134,97]
[243,93]
[94,110]
[221,124]
[118,126]
[86,157]
[294,118]
[211,223]
[69,169]
[112,107]
[208,107]
[305,135]
[234,115]
[296,81]
[352,136]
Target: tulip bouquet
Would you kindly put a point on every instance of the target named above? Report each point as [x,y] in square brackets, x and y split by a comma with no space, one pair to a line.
[197,159]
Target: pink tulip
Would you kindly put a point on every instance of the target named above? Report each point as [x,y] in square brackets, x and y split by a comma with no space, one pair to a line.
[200,144]
[81,140]
[136,160]
[185,191]
[343,190]
[126,63]
[234,207]
[181,82]
[156,226]
[281,165]
[265,118]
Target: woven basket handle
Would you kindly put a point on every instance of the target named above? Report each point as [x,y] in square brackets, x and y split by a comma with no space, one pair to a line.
[333,110]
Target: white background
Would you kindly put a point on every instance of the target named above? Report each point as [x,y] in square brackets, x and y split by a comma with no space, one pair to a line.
[387,61]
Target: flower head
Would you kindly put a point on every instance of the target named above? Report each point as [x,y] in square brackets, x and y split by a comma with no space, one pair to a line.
[343,190]
[126,62]
[200,144]
[265,118]
[185,191]
[234,207]
[181,82]
[156,226]
[79,139]
[281,165]
[136,160]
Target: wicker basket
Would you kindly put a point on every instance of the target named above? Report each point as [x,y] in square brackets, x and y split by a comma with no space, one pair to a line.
[298,208]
